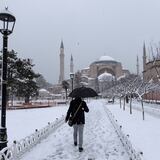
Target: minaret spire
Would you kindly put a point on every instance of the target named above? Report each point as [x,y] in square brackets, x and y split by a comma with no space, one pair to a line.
[62,46]
[144,57]
[137,65]
[61,76]
[71,65]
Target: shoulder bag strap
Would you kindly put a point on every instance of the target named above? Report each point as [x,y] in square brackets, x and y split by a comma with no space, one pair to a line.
[77,110]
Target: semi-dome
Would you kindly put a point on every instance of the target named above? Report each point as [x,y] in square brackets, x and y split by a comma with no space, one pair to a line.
[105,76]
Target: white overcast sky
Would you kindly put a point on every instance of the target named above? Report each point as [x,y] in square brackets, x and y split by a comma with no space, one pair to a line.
[89,29]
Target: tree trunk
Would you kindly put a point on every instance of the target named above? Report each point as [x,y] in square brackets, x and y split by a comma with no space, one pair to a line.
[124,104]
[120,102]
[66,94]
[12,100]
[27,99]
[130,106]
[142,108]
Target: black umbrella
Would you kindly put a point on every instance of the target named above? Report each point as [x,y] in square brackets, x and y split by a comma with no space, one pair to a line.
[83,92]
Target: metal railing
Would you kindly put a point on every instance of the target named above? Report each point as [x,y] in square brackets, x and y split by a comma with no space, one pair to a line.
[18,148]
[133,154]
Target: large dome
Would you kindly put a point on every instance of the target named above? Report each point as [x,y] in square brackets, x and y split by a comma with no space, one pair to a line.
[106,58]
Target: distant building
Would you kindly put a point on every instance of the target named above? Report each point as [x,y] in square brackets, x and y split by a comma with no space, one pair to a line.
[151,67]
[89,76]
[105,64]
[151,73]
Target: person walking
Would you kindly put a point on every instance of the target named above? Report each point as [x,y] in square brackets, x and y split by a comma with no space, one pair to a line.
[79,106]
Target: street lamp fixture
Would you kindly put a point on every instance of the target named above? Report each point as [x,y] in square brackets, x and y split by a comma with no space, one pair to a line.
[8,22]
[6,28]
[72,77]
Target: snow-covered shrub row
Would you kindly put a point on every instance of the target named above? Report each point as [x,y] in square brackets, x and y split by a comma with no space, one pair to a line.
[15,151]
[123,138]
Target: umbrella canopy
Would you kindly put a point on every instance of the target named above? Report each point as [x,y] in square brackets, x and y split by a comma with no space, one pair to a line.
[83,92]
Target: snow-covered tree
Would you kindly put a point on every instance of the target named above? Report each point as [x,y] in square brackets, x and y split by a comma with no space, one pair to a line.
[42,83]
[20,77]
[65,86]
[26,79]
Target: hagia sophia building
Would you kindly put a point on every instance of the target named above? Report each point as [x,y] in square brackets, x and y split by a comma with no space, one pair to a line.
[104,68]
[108,69]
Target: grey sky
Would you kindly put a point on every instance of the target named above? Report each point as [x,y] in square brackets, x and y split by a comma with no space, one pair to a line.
[89,29]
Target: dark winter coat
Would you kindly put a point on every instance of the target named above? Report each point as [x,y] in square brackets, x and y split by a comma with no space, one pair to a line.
[80,116]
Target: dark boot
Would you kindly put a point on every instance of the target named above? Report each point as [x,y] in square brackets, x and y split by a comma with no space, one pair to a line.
[75,143]
[80,149]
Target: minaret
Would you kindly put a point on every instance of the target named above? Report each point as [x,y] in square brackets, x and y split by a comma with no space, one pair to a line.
[61,76]
[144,57]
[71,65]
[137,66]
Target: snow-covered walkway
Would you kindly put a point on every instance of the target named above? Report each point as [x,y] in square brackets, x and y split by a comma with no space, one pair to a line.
[100,141]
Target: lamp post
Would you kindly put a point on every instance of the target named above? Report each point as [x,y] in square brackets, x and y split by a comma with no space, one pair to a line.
[6,28]
[72,77]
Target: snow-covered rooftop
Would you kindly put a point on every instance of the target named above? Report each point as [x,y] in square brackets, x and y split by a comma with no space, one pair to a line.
[123,76]
[86,68]
[84,76]
[43,90]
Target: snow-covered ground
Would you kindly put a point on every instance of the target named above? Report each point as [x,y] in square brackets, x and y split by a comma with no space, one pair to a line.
[100,140]
[144,135]
[21,123]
